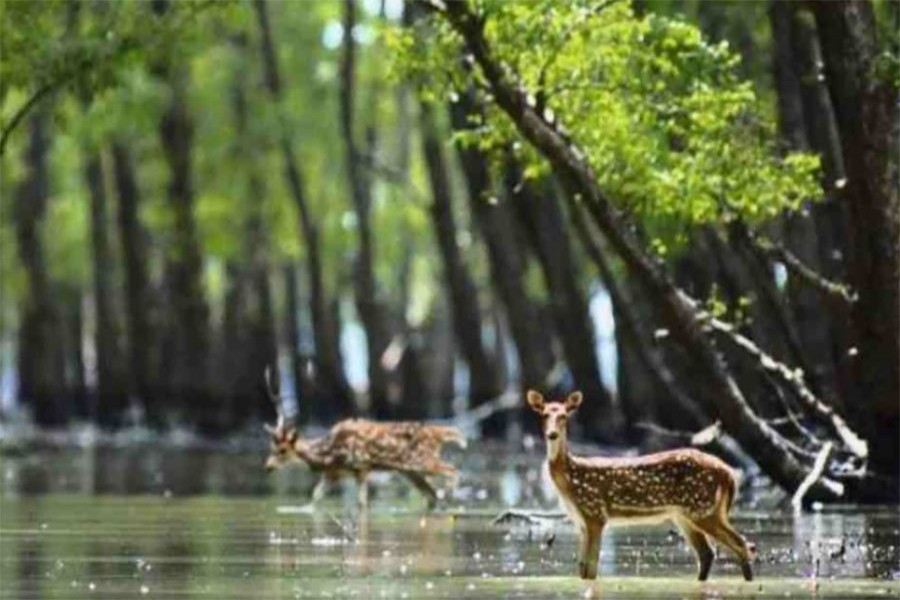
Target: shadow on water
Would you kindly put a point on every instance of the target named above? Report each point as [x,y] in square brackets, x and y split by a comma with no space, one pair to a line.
[140,522]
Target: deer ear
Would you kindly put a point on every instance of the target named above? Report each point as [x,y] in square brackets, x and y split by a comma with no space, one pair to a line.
[573,402]
[269,429]
[535,401]
[292,436]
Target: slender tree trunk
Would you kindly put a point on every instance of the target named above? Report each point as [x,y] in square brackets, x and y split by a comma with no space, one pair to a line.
[497,223]
[302,385]
[142,335]
[542,218]
[235,349]
[485,382]
[787,83]
[371,312]
[260,346]
[112,395]
[185,260]
[40,365]
[331,382]
[832,336]
[866,109]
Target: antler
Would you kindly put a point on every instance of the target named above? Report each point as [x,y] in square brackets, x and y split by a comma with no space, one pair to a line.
[276,401]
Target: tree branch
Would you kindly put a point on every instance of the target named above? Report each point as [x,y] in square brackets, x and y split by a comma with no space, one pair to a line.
[794,380]
[814,474]
[796,267]
[26,107]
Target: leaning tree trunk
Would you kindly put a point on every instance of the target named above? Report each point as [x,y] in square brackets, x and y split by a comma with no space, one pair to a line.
[141,336]
[191,339]
[542,218]
[40,361]
[681,315]
[331,382]
[865,105]
[485,380]
[507,265]
[371,312]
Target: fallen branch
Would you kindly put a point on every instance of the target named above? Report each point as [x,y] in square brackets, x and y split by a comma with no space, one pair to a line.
[529,516]
[794,379]
[814,475]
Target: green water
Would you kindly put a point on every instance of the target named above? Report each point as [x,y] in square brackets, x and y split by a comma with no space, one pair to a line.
[109,523]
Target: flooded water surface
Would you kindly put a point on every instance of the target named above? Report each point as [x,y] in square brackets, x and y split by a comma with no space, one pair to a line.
[114,523]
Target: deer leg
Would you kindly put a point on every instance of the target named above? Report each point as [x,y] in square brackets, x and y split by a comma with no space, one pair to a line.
[591,535]
[702,549]
[726,534]
[320,490]
[362,488]
[422,484]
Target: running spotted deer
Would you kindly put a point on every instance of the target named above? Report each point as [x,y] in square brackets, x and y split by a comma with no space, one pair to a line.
[693,489]
[357,447]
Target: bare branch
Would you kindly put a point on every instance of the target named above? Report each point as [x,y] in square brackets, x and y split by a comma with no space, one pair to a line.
[794,379]
[776,252]
[814,474]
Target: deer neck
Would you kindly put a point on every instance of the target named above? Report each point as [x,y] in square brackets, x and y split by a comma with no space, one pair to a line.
[306,450]
[558,453]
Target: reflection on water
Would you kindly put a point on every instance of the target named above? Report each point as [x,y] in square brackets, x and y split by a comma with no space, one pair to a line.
[141,523]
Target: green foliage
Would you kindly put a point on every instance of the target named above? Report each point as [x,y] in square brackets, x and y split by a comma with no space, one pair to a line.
[674,135]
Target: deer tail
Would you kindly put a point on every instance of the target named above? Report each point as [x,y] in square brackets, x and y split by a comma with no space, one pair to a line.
[729,490]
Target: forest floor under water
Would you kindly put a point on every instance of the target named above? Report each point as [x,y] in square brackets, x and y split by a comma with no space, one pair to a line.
[144,522]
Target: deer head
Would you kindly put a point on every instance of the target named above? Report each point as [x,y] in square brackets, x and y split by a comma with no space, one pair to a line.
[283,449]
[554,417]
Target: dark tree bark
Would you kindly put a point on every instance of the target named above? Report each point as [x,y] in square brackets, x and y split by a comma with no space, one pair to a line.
[112,394]
[769,448]
[787,83]
[190,334]
[232,384]
[826,338]
[82,404]
[824,138]
[371,311]
[40,362]
[497,223]
[142,336]
[543,221]
[865,106]
[330,380]
[485,382]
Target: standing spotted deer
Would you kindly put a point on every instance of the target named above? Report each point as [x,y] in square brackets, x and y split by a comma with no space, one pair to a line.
[691,488]
[357,447]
